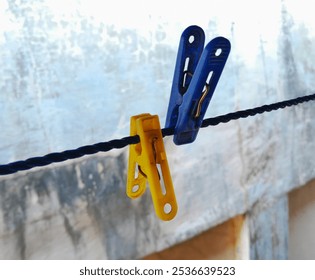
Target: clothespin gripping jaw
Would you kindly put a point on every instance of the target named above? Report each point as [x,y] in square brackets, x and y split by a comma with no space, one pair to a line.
[137,179]
[189,51]
[149,157]
[200,91]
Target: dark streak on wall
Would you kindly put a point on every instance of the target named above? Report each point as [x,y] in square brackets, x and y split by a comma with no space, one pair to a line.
[85,181]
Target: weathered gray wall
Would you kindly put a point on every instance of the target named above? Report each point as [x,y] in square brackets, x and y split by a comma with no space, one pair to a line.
[71,76]
[71,211]
[268,223]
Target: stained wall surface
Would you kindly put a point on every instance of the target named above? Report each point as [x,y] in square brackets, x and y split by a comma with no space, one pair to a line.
[301,210]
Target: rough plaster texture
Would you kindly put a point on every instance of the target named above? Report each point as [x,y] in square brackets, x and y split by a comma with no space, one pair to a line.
[301,225]
[268,223]
[226,241]
[73,74]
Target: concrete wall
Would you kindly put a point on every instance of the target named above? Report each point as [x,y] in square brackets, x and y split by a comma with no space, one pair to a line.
[226,241]
[301,222]
[73,73]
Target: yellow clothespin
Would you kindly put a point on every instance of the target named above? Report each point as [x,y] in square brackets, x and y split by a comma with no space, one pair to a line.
[148,162]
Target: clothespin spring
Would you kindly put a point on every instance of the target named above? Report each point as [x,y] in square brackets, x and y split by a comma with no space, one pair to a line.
[201,100]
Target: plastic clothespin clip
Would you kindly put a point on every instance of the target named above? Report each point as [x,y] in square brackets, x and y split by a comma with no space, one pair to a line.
[148,162]
[196,75]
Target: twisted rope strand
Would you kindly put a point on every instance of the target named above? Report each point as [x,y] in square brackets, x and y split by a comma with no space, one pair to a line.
[69,154]
[257,110]
[123,142]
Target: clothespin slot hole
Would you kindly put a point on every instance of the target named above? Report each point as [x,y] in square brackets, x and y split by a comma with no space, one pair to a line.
[167,208]
[158,166]
[209,78]
[186,72]
[218,52]
[186,64]
[191,39]
[136,171]
[163,189]
[135,188]
[206,86]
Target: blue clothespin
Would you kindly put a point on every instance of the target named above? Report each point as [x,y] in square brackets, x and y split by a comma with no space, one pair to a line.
[196,75]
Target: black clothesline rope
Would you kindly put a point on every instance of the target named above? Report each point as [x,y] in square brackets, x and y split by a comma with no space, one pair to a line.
[123,142]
